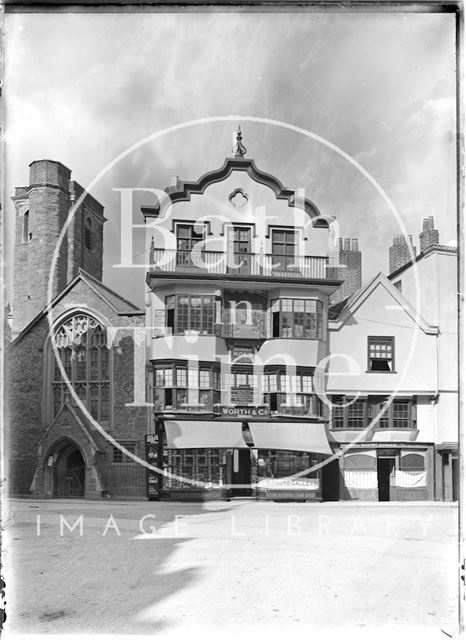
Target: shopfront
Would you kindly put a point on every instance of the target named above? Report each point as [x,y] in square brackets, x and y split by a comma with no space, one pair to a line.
[387,472]
[213,459]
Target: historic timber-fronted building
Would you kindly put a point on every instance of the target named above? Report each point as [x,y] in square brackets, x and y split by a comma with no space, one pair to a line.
[254,384]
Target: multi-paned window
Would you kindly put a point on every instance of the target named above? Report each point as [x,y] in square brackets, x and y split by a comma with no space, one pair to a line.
[348,413]
[380,353]
[280,464]
[283,248]
[82,348]
[290,394]
[203,465]
[187,236]
[179,387]
[119,457]
[294,318]
[190,313]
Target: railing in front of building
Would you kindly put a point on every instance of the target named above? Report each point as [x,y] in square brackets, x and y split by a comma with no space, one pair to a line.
[242,264]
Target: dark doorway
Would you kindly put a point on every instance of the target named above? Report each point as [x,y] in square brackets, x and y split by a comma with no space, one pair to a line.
[241,472]
[69,473]
[385,467]
[454,479]
[330,480]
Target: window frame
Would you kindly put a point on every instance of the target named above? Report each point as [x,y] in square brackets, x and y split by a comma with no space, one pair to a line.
[299,394]
[372,406]
[26,235]
[316,318]
[118,457]
[88,235]
[94,384]
[207,313]
[180,382]
[381,341]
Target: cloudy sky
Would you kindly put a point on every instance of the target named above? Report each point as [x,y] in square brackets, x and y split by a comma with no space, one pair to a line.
[81,88]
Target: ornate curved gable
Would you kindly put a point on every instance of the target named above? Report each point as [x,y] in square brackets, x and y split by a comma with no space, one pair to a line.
[183,191]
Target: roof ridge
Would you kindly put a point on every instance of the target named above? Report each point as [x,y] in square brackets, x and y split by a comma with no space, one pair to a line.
[112,291]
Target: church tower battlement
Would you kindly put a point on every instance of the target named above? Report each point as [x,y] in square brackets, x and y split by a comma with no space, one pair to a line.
[42,208]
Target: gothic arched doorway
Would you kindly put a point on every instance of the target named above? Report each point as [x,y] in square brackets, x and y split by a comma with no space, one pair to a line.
[69,473]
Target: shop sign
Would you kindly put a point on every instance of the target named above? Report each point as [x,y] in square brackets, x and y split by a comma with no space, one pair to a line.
[242,396]
[242,355]
[245,412]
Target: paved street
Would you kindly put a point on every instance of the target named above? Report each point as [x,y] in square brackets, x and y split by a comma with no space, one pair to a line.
[173,570]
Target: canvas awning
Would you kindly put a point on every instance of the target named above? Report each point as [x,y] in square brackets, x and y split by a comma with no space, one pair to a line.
[296,436]
[203,434]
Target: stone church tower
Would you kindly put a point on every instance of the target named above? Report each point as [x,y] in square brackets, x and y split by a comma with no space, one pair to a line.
[42,209]
[54,449]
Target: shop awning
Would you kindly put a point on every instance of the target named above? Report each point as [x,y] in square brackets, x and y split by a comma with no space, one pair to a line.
[190,434]
[297,436]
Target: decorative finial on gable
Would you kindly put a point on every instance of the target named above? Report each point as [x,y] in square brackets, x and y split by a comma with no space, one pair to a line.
[238,148]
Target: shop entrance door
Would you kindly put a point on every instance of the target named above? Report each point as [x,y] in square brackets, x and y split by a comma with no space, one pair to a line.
[241,472]
[331,481]
[385,471]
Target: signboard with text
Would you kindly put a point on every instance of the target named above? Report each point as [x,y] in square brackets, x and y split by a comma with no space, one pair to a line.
[245,412]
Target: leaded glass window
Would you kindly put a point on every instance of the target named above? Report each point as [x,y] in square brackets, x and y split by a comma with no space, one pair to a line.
[81,342]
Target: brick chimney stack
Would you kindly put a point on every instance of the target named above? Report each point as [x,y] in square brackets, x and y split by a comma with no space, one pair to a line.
[399,253]
[429,236]
[349,270]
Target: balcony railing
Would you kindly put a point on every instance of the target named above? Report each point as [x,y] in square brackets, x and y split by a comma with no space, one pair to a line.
[242,264]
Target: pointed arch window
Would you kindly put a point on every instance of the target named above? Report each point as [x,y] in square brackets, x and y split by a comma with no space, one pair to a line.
[81,342]
[88,234]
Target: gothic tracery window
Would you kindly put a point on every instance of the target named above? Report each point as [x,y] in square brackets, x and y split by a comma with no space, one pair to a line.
[81,342]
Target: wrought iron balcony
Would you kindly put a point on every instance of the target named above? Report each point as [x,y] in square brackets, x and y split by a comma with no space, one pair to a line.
[242,264]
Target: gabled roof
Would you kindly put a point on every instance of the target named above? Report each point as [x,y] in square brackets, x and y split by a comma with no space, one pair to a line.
[117,303]
[95,438]
[183,190]
[359,297]
[336,309]
[120,305]
[433,248]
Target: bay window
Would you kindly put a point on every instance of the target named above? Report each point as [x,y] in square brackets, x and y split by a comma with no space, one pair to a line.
[178,387]
[294,318]
[190,313]
[290,394]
